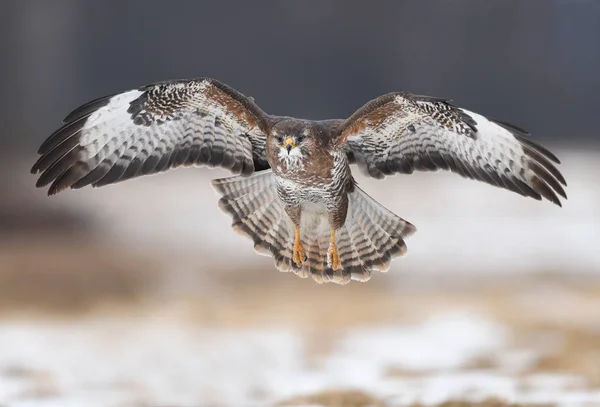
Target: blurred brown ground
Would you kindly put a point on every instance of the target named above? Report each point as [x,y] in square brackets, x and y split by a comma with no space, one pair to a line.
[65,276]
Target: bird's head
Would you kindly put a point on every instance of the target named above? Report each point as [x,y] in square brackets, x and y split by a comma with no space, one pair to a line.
[289,140]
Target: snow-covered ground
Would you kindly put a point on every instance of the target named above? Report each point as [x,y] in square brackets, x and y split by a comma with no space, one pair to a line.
[166,361]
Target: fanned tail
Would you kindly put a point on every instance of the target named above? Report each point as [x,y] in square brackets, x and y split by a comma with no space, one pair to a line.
[258,213]
[370,239]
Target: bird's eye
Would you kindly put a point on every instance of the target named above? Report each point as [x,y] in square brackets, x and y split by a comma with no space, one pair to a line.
[300,139]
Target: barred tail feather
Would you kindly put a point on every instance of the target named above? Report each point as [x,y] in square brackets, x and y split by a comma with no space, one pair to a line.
[257,213]
[370,239]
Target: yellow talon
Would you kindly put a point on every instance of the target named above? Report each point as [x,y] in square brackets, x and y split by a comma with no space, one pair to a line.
[299,253]
[333,257]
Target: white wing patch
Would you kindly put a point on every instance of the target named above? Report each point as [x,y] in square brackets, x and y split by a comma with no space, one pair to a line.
[112,111]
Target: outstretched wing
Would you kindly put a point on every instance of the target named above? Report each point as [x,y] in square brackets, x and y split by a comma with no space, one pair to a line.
[400,133]
[152,129]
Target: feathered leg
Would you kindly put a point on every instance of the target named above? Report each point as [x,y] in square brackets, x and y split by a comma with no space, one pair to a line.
[337,213]
[333,257]
[299,252]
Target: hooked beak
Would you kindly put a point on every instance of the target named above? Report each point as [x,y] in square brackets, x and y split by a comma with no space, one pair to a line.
[289,144]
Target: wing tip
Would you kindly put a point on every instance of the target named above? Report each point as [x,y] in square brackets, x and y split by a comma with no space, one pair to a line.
[548,181]
[53,191]
[546,191]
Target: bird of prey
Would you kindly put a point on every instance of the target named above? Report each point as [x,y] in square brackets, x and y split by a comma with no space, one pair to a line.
[295,195]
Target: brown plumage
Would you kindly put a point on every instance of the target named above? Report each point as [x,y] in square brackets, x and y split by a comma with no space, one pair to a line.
[295,196]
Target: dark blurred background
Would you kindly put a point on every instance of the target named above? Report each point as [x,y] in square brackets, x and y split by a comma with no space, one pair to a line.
[144,291]
[527,62]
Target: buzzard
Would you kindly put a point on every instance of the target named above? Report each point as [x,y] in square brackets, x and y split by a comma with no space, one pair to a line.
[295,195]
